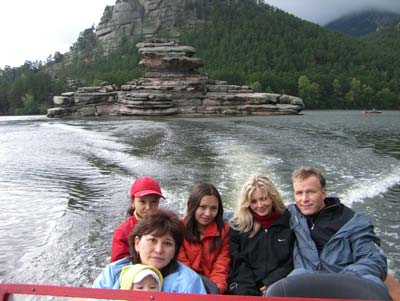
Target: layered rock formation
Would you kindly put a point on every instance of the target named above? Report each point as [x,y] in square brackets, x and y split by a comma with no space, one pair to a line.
[171,86]
[143,18]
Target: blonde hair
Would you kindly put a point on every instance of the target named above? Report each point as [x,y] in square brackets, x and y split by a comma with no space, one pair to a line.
[304,172]
[242,219]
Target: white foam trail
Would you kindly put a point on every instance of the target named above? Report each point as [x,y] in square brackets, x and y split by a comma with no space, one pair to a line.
[22,118]
[370,188]
[95,139]
[241,161]
[108,148]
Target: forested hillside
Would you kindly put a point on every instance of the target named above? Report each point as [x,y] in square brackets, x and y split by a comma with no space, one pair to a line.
[387,37]
[245,43]
[277,52]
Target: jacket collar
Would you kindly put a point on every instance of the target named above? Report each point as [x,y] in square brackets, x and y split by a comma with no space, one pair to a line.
[211,230]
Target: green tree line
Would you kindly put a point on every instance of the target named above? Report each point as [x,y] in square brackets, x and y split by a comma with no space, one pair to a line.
[27,89]
[261,46]
[243,42]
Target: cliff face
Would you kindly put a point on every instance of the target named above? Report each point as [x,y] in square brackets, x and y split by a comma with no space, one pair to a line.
[138,19]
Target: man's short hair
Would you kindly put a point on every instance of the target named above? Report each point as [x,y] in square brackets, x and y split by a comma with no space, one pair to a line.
[305,172]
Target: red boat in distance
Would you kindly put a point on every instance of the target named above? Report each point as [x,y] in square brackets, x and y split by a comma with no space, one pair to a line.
[372,112]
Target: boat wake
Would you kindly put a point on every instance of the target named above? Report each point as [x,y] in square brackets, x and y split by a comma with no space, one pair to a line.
[372,187]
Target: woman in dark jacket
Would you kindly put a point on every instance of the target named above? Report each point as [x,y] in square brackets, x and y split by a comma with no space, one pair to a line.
[261,241]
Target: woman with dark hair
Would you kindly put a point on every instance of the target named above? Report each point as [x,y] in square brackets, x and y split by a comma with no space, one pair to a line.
[261,242]
[145,195]
[156,240]
[206,245]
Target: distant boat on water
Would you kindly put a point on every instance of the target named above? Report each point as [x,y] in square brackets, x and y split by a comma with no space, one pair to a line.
[373,112]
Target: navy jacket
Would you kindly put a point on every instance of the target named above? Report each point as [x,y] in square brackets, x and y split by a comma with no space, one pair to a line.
[353,249]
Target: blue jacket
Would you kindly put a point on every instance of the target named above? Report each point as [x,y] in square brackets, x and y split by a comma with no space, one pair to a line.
[353,249]
[183,280]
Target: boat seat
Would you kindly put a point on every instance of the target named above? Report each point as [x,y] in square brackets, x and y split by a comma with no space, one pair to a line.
[331,286]
[210,286]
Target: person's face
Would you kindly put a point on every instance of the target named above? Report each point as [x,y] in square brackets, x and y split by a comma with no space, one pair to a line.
[206,211]
[309,195]
[260,203]
[145,204]
[148,283]
[155,251]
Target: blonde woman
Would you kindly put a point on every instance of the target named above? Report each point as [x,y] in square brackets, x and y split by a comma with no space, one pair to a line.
[260,239]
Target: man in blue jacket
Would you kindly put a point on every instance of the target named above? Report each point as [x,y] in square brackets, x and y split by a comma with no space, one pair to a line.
[330,237]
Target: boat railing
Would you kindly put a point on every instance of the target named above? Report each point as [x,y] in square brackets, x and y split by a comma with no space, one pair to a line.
[33,292]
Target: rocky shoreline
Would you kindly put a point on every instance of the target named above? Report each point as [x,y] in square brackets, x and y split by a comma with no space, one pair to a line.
[172,85]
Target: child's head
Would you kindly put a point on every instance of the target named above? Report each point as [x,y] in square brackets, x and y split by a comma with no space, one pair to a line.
[204,206]
[146,280]
[141,277]
[145,196]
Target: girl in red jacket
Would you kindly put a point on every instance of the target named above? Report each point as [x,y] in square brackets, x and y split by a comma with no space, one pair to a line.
[145,197]
[206,245]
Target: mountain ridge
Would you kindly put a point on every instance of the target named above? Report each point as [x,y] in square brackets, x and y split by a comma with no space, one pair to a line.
[363,22]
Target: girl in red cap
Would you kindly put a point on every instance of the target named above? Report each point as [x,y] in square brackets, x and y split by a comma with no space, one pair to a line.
[145,197]
[206,245]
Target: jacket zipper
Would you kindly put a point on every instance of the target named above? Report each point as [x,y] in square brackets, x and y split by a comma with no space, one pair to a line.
[319,213]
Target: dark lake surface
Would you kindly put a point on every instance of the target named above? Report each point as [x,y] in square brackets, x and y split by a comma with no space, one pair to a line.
[64,183]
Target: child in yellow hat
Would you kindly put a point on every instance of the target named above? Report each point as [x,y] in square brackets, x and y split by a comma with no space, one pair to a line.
[141,277]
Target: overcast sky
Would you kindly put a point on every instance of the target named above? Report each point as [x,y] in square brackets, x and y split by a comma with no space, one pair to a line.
[33,29]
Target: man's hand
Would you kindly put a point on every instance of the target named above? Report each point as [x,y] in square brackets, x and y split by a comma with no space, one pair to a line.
[263,289]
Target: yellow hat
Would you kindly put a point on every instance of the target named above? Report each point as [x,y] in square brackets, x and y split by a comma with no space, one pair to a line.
[135,273]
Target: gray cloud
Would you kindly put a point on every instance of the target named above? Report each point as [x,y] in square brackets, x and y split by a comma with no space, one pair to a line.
[324,11]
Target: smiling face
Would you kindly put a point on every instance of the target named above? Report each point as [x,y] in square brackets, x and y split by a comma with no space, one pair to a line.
[260,202]
[145,204]
[155,251]
[206,211]
[309,195]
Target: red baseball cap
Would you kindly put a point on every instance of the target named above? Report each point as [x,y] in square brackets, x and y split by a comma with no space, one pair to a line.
[145,186]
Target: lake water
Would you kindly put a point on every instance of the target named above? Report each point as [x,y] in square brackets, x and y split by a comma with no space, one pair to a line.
[64,183]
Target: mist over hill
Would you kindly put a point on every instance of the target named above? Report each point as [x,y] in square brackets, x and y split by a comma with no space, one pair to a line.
[363,22]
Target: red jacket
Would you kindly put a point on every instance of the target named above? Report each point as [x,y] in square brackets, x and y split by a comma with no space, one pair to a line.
[120,247]
[215,265]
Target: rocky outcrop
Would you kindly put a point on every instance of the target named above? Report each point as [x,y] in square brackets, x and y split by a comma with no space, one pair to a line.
[172,85]
[136,19]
